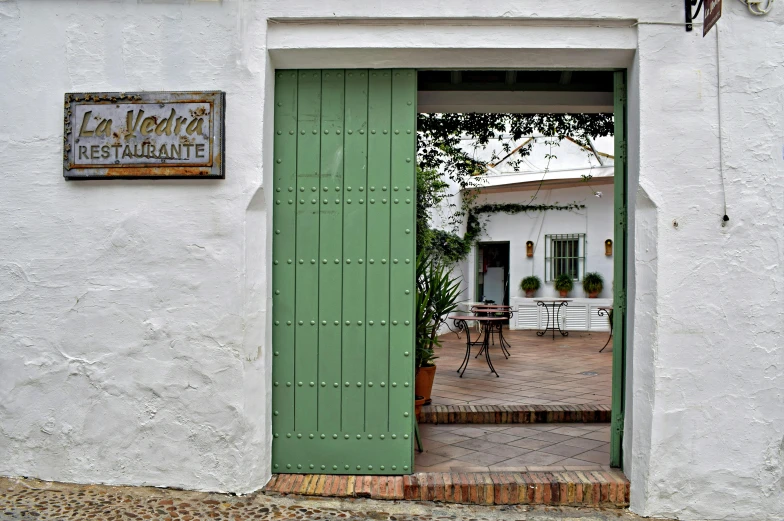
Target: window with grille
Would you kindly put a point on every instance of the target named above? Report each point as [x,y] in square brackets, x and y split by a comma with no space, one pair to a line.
[564,253]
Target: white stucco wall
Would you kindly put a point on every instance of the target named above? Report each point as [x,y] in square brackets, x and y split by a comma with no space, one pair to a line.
[132,313]
[595,221]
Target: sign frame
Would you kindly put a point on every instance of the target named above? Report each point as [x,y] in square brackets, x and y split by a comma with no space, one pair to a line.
[130,148]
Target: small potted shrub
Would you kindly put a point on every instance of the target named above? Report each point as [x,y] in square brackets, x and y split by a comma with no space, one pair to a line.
[437,292]
[564,284]
[593,283]
[530,285]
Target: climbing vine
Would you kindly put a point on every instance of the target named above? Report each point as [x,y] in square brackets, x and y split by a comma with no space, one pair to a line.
[440,152]
[452,248]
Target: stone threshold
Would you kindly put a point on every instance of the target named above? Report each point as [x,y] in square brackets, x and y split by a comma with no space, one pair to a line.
[444,414]
[609,489]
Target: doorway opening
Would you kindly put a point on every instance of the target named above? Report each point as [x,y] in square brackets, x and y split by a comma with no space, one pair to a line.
[492,277]
[546,192]
[324,356]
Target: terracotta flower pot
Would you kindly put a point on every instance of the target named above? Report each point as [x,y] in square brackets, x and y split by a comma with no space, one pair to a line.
[423,385]
[593,294]
[564,294]
[530,293]
[418,403]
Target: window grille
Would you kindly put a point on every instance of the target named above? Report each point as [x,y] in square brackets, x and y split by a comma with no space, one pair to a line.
[564,253]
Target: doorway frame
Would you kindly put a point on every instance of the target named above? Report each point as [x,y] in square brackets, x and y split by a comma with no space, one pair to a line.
[612,47]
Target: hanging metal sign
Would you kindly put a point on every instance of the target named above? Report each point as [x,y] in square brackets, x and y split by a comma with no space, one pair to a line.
[112,135]
[711,16]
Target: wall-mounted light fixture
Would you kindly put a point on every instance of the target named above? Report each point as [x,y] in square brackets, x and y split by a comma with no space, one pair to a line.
[608,247]
[529,248]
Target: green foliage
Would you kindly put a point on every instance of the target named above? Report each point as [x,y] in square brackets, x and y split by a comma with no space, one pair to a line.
[437,292]
[530,283]
[564,282]
[431,190]
[593,283]
[451,248]
[439,136]
[439,152]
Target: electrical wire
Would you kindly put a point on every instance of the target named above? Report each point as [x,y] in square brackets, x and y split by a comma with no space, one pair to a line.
[725,218]
[755,6]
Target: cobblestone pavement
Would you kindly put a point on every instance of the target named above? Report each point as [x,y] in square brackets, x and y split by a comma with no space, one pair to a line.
[29,499]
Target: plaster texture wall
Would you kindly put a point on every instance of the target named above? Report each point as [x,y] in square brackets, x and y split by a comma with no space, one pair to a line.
[133,314]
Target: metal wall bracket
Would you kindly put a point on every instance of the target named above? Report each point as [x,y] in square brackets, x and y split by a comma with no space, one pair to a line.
[689,15]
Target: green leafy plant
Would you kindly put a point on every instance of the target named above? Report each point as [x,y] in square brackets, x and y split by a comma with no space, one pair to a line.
[437,292]
[593,283]
[531,283]
[564,282]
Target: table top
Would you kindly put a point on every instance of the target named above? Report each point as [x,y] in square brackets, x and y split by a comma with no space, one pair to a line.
[553,299]
[475,317]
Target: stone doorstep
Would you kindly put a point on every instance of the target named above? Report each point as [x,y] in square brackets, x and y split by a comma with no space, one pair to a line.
[571,488]
[444,414]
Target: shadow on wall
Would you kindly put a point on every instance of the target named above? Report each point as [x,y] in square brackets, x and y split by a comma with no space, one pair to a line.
[257,302]
[641,346]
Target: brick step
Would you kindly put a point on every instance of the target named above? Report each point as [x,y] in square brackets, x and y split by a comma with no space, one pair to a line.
[575,488]
[514,414]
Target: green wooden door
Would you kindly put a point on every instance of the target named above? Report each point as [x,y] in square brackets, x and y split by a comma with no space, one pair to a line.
[343,271]
[619,272]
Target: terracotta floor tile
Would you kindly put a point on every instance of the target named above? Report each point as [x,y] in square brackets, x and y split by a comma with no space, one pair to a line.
[598,436]
[481,458]
[510,451]
[571,431]
[451,451]
[533,458]
[583,442]
[531,444]
[522,432]
[428,459]
[551,437]
[498,437]
[540,371]
[564,450]
[448,438]
[470,432]
[595,457]
[476,444]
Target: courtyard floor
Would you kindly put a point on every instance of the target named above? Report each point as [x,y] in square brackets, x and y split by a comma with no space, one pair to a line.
[540,371]
[554,447]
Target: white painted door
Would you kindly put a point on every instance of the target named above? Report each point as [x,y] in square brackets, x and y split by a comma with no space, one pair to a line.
[494,285]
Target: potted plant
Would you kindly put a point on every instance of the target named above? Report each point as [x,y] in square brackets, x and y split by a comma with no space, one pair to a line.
[593,283]
[437,292]
[564,284]
[530,285]
[419,401]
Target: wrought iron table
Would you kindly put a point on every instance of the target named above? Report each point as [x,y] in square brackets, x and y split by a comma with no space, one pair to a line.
[496,310]
[556,314]
[606,311]
[461,323]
